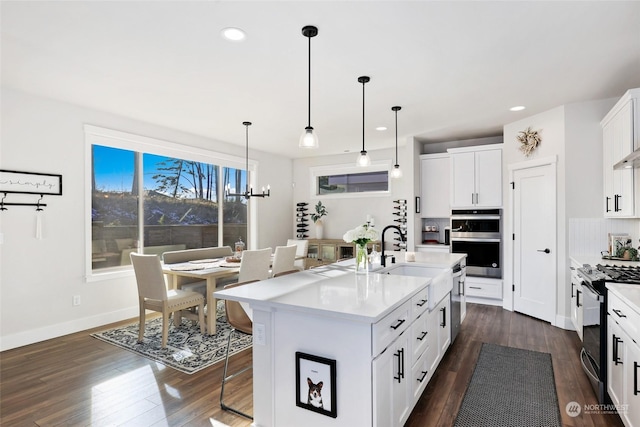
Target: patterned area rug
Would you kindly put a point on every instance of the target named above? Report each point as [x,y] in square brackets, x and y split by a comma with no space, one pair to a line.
[187,349]
[510,387]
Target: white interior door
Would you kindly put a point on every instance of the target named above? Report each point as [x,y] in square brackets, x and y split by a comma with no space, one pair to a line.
[534,251]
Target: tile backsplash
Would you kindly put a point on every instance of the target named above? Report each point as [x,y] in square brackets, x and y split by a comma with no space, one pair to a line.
[588,236]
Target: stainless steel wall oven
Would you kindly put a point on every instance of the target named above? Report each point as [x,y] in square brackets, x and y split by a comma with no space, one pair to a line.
[478,233]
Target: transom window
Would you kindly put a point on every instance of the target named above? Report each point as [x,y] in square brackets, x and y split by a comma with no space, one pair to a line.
[350,181]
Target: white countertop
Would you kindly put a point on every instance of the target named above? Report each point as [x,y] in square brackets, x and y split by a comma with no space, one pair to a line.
[429,259]
[630,294]
[594,260]
[359,297]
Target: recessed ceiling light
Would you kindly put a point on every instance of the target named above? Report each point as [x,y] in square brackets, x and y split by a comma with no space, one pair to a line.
[517,108]
[381,128]
[233,34]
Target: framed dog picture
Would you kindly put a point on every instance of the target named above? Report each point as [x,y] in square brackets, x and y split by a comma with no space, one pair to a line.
[316,384]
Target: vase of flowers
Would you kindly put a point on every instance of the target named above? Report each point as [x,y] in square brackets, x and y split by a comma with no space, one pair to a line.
[360,236]
[315,217]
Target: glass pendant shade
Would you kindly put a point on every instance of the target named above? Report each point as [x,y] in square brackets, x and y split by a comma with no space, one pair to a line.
[396,172]
[309,138]
[363,159]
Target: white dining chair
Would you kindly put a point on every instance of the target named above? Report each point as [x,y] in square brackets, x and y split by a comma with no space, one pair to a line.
[283,259]
[254,265]
[153,295]
[301,252]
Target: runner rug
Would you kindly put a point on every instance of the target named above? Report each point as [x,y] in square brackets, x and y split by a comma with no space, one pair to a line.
[187,349]
[510,387]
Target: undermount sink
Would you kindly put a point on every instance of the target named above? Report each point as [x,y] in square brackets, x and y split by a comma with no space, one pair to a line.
[441,279]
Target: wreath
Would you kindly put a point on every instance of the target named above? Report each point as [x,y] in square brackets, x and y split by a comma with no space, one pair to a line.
[529,140]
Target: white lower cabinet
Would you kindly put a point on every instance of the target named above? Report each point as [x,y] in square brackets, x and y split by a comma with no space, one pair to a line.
[442,314]
[632,390]
[403,369]
[623,359]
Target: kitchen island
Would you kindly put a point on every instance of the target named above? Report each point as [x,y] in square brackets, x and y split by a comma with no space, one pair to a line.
[370,338]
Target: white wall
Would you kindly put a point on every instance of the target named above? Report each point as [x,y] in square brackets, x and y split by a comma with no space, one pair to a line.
[347,213]
[38,278]
[572,133]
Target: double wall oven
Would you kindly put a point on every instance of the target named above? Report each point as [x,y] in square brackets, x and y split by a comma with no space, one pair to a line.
[592,300]
[478,233]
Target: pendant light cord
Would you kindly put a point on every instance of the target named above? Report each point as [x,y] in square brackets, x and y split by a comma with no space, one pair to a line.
[246,126]
[309,109]
[396,111]
[363,83]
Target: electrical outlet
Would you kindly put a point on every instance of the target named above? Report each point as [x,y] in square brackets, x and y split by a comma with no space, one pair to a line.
[76,300]
[259,334]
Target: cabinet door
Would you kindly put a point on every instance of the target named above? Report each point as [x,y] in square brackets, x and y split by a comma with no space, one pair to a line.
[488,177]
[607,166]
[434,187]
[391,379]
[462,179]
[632,390]
[443,311]
[615,361]
[618,143]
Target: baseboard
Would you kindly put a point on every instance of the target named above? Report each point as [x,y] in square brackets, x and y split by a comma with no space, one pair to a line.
[54,331]
[485,301]
[564,322]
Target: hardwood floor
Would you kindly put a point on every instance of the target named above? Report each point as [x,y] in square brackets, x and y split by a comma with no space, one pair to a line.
[79,380]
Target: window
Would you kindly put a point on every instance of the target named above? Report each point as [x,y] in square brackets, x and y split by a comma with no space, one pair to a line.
[158,198]
[350,181]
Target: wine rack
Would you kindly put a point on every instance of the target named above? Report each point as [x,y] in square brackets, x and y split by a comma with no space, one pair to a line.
[302,218]
[400,218]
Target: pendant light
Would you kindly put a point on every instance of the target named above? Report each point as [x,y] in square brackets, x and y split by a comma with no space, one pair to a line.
[309,138]
[248,192]
[396,172]
[363,159]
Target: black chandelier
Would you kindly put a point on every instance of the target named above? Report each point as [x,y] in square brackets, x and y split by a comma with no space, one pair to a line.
[248,192]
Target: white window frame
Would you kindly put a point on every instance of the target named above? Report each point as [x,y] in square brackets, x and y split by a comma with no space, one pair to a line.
[95,135]
[377,166]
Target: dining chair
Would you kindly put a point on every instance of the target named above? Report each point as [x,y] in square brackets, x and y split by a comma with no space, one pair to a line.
[241,323]
[301,252]
[153,295]
[284,273]
[283,259]
[254,265]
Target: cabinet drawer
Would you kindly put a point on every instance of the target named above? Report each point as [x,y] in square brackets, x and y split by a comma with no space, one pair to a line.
[390,327]
[420,302]
[420,376]
[483,288]
[628,319]
[419,336]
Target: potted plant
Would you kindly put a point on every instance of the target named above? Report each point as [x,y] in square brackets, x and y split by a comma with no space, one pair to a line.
[320,212]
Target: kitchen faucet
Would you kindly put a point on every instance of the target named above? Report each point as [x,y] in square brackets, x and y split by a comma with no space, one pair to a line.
[383,259]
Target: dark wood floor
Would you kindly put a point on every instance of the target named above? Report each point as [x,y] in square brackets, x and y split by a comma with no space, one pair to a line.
[79,380]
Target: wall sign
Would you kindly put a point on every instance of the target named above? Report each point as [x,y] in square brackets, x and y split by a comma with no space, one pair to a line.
[30,183]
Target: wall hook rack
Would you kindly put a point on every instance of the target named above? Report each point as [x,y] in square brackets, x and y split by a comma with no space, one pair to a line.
[38,204]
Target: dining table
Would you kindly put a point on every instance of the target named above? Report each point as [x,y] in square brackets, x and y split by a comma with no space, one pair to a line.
[203,269]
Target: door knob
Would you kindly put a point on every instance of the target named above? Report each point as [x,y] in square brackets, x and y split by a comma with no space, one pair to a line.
[546,251]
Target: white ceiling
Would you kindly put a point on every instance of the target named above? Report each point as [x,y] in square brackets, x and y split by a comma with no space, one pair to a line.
[455,67]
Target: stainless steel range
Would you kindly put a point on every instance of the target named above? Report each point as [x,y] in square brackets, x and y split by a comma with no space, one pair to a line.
[594,330]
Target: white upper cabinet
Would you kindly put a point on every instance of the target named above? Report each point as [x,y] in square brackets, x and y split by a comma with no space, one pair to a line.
[434,186]
[619,134]
[476,176]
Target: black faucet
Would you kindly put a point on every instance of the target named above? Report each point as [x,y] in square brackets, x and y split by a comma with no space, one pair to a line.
[383,259]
